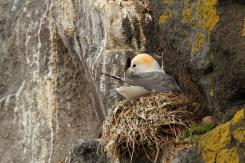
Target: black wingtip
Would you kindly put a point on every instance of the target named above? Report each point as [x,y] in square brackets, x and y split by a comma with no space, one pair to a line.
[128,64]
[115,77]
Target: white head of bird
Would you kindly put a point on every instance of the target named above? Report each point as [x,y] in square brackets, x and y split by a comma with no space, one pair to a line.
[144,63]
[141,84]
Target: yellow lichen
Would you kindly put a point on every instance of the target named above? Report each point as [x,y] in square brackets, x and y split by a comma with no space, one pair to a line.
[214,141]
[239,134]
[164,18]
[200,38]
[243,30]
[239,116]
[168,1]
[228,155]
[214,145]
[207,13]
[212,92]
[201,15]
[187,13]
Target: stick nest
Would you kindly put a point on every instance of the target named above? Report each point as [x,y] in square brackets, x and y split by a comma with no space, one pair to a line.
[149,123]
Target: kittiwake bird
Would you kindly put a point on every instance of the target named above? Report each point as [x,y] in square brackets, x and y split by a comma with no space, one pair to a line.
[144,76]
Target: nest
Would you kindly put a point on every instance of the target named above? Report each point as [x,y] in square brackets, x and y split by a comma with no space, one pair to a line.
[150,123]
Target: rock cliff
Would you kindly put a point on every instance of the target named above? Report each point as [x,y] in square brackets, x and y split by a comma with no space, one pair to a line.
[52,53]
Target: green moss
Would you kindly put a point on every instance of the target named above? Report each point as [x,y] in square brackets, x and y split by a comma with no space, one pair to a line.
[193,133]
[199,129]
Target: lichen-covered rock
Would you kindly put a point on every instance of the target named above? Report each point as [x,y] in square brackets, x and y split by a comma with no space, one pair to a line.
[203,46]
[52,92]
[226,142]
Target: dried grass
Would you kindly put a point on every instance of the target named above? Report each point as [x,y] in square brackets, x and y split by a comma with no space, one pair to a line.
[151,123]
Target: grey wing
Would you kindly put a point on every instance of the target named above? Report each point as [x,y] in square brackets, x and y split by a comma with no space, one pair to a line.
[154,81]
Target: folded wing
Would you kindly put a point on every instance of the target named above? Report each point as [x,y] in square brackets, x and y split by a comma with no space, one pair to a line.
[155,81]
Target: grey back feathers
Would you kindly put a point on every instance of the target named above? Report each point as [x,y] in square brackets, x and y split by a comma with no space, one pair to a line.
[155,81]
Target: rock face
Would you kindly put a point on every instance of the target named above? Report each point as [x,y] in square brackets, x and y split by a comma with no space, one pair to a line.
[52,92]
[87,151]
[44,102]
[226,142]
[204,46]
[190,155]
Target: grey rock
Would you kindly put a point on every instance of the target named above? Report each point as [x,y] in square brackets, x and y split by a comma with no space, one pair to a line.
[52,53]
[87,151]
[213,73]
[190,155]
[44,102]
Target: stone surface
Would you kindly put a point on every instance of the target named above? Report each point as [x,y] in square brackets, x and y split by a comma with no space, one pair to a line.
[87,152]
[106,38]
[203,47]
[52,92]
[190,155]
[44,102]
[226,142]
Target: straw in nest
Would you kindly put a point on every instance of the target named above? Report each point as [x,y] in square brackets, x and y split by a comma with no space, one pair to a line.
[152,123]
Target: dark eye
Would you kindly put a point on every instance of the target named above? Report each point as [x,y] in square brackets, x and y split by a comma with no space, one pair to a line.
[134,65]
